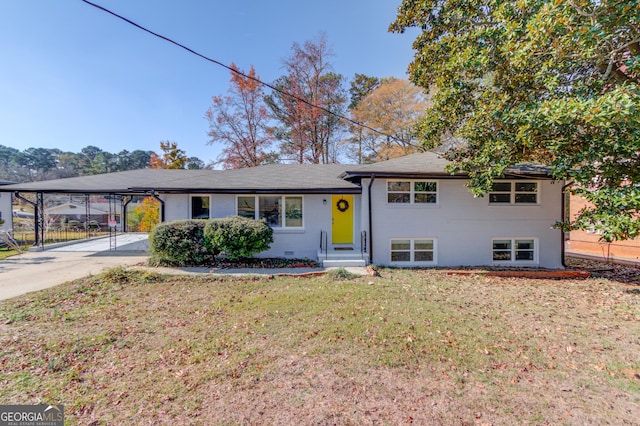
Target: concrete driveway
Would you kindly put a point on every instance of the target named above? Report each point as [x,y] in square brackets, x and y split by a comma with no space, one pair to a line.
[37,270]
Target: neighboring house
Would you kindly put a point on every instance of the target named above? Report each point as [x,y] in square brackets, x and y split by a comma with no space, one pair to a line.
[407,211]
[5,207]
[587,243]
[73,211]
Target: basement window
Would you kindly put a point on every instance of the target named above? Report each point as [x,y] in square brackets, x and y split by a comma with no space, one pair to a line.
[413,251]
[514,250]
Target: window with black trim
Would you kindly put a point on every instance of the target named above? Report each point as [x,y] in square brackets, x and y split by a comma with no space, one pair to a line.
[200,207]
[412,192]
[514,250]
[525,192]
[278,211]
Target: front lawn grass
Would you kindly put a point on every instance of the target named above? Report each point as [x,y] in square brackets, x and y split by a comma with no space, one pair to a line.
[134,347]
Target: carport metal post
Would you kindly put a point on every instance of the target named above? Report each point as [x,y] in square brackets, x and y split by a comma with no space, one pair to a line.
[154,195]
[38,216]
[125,226]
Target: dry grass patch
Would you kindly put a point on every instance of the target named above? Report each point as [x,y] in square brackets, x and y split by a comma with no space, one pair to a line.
[132,347]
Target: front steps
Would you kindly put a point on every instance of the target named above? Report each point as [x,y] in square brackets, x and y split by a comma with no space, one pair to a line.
[342,257]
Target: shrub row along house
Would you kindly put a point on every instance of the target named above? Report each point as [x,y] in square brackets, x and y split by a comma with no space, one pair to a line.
[407,211]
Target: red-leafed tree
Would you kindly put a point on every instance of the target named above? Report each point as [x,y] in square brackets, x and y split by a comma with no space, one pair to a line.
[239,122]
[309,94]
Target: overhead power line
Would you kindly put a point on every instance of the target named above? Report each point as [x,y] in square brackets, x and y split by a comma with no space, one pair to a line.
[257,80]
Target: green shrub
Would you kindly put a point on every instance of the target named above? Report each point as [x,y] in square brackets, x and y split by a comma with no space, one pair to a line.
[179,243]
[237,237]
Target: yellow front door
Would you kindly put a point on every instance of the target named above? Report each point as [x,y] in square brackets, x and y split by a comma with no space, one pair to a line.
[342,216]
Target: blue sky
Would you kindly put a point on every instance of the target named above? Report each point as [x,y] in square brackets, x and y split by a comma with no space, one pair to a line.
[72,75]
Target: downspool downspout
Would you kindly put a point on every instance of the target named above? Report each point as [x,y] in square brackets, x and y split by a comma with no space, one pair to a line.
[563,213]
[373,177]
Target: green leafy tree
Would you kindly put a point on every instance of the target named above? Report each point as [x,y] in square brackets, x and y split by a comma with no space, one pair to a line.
[361,86]
[554,82]
[172,157]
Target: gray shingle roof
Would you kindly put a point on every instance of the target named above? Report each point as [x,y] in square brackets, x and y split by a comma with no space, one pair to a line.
[430,164]
[302,178]
[273,178]
[423,163]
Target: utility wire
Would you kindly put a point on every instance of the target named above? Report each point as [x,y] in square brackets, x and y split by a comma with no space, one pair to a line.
[206,58]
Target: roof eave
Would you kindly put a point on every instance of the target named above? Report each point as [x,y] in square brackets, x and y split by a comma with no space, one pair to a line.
[354,190]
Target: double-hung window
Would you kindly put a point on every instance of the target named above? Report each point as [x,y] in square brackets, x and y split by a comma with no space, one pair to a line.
[278,211]
[417,192]
[525,192]
[514,250]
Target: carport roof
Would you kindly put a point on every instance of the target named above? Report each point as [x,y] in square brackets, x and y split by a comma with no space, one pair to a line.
[273,178]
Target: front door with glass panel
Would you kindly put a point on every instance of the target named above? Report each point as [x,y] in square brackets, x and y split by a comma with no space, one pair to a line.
[342,219]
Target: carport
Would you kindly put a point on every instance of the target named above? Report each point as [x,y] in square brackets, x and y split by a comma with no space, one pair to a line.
[118,188]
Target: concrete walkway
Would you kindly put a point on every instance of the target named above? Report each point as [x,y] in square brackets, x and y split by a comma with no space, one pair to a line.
[37,270]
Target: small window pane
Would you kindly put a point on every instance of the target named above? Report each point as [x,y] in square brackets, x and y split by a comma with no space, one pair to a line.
[247,207]
[425,186]
[423,256]
[398,198]
[499,198]
[293,211]
[502,244]
[501,187]
[425,198]
[401,245]
[502,255]
[524,254]
[270,210]
[524,244]
[423,244]
[526,187]
[399,186]
[400,256]
[526,198]
[200,207]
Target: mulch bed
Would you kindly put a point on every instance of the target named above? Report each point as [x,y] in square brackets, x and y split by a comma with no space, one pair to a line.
[602,269]
[266,263]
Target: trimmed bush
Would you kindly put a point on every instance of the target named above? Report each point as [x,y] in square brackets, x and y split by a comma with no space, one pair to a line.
[179,243]
[237,237]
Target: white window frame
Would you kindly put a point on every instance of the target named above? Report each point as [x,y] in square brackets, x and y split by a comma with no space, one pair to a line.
[412,251]
[513,193]
[412,192]
[283,198]
[513,251]
[192,196]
